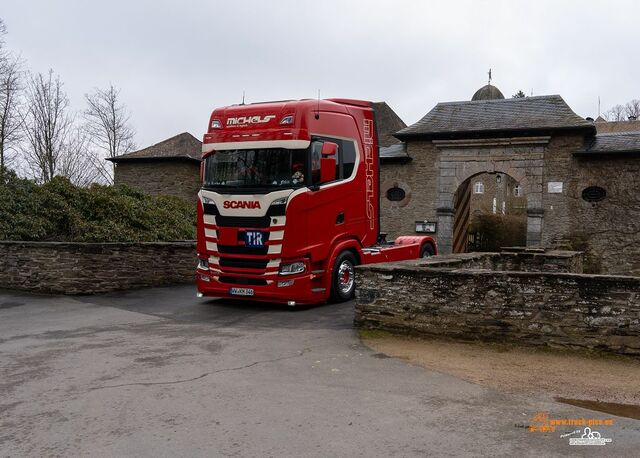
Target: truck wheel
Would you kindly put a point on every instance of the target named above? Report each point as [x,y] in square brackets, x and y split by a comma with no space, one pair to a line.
[426,250]
[343,277]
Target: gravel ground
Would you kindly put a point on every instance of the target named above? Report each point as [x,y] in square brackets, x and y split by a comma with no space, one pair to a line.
[539,372]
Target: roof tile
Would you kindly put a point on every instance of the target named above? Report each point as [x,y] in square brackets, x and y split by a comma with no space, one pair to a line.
[183,145]
[541,112]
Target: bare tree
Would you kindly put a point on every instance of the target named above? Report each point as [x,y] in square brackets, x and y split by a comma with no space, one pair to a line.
[632,109]
[3,32]
[11,87]
[10,101]
[616,113]
[108,125]
[46,125]
[77,162]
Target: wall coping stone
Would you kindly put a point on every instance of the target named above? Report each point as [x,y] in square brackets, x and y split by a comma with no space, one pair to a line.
[396,267]
[54,244]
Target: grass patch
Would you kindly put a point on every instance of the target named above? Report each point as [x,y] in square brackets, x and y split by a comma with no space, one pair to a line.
[374,334]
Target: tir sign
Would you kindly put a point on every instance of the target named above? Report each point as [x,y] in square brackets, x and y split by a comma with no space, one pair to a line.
[254,238]
[245,120]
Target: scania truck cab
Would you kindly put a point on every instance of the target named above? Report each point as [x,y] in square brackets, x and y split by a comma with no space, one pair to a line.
[289,203]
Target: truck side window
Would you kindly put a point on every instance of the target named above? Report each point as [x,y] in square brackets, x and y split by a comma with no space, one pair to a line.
[348,158]
[345,158]
[316,148]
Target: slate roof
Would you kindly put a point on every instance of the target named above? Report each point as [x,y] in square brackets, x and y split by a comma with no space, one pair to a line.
[613,143]
[605,127]
[388,123]
[394,153]
[182,146]
[548,112]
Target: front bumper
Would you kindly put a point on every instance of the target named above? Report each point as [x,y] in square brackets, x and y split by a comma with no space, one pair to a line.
[304,289]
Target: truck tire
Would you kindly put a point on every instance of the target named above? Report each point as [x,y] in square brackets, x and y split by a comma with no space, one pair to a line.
[343,277]
[426,250]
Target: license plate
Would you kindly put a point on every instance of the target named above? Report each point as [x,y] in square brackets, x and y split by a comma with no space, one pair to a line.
[241,291]
[254,238]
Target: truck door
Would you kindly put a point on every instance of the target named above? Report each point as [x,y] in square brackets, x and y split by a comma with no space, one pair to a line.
[331,203]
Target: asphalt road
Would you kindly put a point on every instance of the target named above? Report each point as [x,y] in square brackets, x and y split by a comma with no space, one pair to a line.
[158,372]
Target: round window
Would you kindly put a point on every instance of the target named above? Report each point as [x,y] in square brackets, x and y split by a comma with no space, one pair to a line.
[594,194]
[396,194]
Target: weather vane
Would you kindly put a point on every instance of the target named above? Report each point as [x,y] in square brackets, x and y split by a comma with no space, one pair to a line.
[489,76]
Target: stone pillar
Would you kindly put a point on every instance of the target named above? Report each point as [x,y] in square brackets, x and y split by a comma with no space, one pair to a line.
[535,218]
[445,229]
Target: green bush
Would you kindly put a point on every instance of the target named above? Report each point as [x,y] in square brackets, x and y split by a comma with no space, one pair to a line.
[60,211]
[495,231]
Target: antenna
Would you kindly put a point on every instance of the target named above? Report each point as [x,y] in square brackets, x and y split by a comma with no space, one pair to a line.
[598,105]
[318,109]
[489,83]
[242,98]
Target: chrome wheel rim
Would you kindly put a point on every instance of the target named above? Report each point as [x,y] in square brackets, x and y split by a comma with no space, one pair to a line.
[346,277]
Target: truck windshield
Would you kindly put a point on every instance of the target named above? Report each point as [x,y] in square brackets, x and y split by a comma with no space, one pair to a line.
[256,168]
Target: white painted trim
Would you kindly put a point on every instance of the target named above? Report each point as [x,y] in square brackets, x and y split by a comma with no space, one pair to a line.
[289,144]
[212,246]
[209,219]
[276,235]
[210,233]
[274,249]
[279,220]
[265,201]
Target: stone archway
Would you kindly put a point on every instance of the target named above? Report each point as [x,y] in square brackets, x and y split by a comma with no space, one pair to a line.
[490,212]
[521,158]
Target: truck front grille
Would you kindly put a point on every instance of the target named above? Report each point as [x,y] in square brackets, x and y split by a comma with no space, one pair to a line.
[244,263]
[241,249]
[243,281]
[243,221]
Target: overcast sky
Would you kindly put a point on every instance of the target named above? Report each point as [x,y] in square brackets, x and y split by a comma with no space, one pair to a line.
[177,60]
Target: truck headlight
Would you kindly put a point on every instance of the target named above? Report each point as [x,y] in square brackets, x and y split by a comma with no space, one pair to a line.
[292,268]
[203,264]
[280,201]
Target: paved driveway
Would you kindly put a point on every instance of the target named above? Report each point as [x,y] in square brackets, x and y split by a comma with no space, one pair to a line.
[158,372]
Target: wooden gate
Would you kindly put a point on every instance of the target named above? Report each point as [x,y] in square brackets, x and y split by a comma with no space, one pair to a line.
[462,214]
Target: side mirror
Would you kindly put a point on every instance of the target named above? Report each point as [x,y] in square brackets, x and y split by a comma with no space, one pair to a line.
[328,162]
[329,149]
[327,168]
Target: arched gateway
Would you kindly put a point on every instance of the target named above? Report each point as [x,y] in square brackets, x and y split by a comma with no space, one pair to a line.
[519,158]
[531,139]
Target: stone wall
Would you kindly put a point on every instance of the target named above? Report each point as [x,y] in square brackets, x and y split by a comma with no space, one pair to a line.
[555,309]
[608,231]
[180,178]
[510,259]
[419,179]
[84,268]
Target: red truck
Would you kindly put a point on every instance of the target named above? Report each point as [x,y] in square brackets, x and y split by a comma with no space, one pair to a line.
[290,202]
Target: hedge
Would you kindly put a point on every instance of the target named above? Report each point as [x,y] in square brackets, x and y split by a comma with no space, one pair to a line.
[61,211]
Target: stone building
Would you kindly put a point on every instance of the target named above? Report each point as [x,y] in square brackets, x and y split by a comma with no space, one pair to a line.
[171,167]
[582,187]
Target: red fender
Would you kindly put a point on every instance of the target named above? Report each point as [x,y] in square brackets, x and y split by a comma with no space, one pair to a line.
[342,245]
[417,240]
